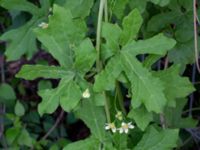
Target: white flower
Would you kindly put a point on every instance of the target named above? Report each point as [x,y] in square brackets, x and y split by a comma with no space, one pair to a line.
[43,25]
[111,126]
[86,94]
[125,127]
[119,115]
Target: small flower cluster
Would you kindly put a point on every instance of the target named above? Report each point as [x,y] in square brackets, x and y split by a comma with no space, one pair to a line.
[123,129]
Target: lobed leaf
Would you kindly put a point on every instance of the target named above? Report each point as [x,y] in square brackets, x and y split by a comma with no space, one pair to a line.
[94,117]
[146,88]
[131,26]
[175,85]
[141,116]
[51,97]
[79,8]
[62,35]
[154,140]
[89,144]
[31,72]
[158,45]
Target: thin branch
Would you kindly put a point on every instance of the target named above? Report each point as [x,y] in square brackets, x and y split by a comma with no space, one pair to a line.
[54,126]
[195,35]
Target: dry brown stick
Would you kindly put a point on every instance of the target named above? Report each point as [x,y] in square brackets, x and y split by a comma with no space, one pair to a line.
[54,126]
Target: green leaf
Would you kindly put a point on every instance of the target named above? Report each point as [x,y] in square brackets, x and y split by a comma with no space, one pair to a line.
[175,85]
[43,84]
[174,116]
[58,39]
[25,138]
[85,56]
[142,80]
[162,20]
[22,40]
[6,92]
[183,53]
[70,96]
[79,8]
[21,5]
[94,117]
[131,26]
[87,144]
[140,5]
[111,33]
[158,140]
[12,134]
[18,39]
[160,2]
[31,72]
[150,60]
[141,116]
[118,7]
[105,80]
[51,97]
[158,44]
[19,109]
[120,141]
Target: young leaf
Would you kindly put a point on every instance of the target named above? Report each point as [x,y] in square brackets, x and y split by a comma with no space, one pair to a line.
[51,97]
[141,116]
[87,144]
[175,85]
[105,80]
[70,96]
[31,72]
[79,8]
[85,56]
[94,117]
[131,26]
[146,89]
[154,140]
[62,35]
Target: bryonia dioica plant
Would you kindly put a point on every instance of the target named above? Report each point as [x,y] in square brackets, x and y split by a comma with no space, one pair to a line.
[107,51]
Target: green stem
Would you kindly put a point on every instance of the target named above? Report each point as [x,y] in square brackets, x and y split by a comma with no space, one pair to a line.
[120,98]
[98,37]
[102,7]
[106,11]
[193,109]
[107,108]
